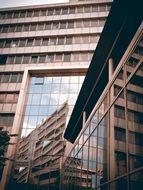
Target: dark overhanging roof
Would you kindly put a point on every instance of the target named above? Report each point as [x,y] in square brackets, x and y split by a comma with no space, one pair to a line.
[122,23]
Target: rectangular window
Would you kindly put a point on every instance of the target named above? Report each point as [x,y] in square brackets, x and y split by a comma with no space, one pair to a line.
[40,26]
[43,12]
[77,40]
[10,60]
[20,76]
[5,78]
[5,29]
[79,9]
[29,13]
[64,11]
[15,43]
[70,24]
[8,43]
[50,58]
[36,13]
[61,41]
[94,23]
[58,57]
[67,57]
[72,10]
[86,23]
[34,59]
[16,15]
[45,41]
[3,59]
[101,22]
[68,40]
[52,41]
[22,43]
[6,119]
[57,11]
[26,59]
[12,28]
[29,42]
[42,58]
[55,25]
[2,43]
[85,39]
[87,9]
[48,26]
[63,25]
[9,15]
[37,42]
[50,12]
[26,27]
[22,14]
[18,59]
[33,27]
[102,8]
[94,8]
[13,78]
[18,28]
[79,24]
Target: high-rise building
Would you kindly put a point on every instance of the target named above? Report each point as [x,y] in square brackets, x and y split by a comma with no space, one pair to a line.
[44,55]
[106,125]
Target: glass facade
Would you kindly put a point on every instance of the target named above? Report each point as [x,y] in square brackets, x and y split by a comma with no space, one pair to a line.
[109,152]
[47,94]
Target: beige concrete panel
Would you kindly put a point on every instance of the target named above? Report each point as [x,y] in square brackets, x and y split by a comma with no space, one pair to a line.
[7,107]
[59,48]
[68,48]
[3,86]
[76,47]
[85,30]
[2,68]
[84,47]
[17,67]
[11,86]
[1,107]
[35,49]
[13,109]
[102,14]
[92,46]
[43,49]
[52,48]
[18,86]
[78,31]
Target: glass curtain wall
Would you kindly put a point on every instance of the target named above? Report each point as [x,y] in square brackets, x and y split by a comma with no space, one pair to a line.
[111,145]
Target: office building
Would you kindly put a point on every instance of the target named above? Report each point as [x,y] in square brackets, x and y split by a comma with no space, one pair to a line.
[45,51]
[106,125]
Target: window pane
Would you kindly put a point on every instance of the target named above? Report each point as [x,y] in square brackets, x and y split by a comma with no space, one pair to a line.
[30,42]
[42,58]
[18,60]
[14,78]
[26,59]
[37,42]
[45,41]
[22,43]
[10,60]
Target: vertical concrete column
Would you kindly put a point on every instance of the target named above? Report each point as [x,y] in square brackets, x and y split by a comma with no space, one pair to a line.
[111,136]
[83,119]
[110,68]
[15,130]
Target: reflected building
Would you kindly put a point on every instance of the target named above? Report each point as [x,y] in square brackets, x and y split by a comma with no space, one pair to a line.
[106,124]
[40,154]
[45,51]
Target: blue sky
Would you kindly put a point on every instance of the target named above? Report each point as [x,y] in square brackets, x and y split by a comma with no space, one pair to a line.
[15,3]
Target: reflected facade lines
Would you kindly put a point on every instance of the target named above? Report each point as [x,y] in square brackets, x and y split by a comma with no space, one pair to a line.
[45,95]
[110,147]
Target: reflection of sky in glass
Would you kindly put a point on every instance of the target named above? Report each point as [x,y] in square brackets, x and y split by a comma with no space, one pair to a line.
[45,95]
